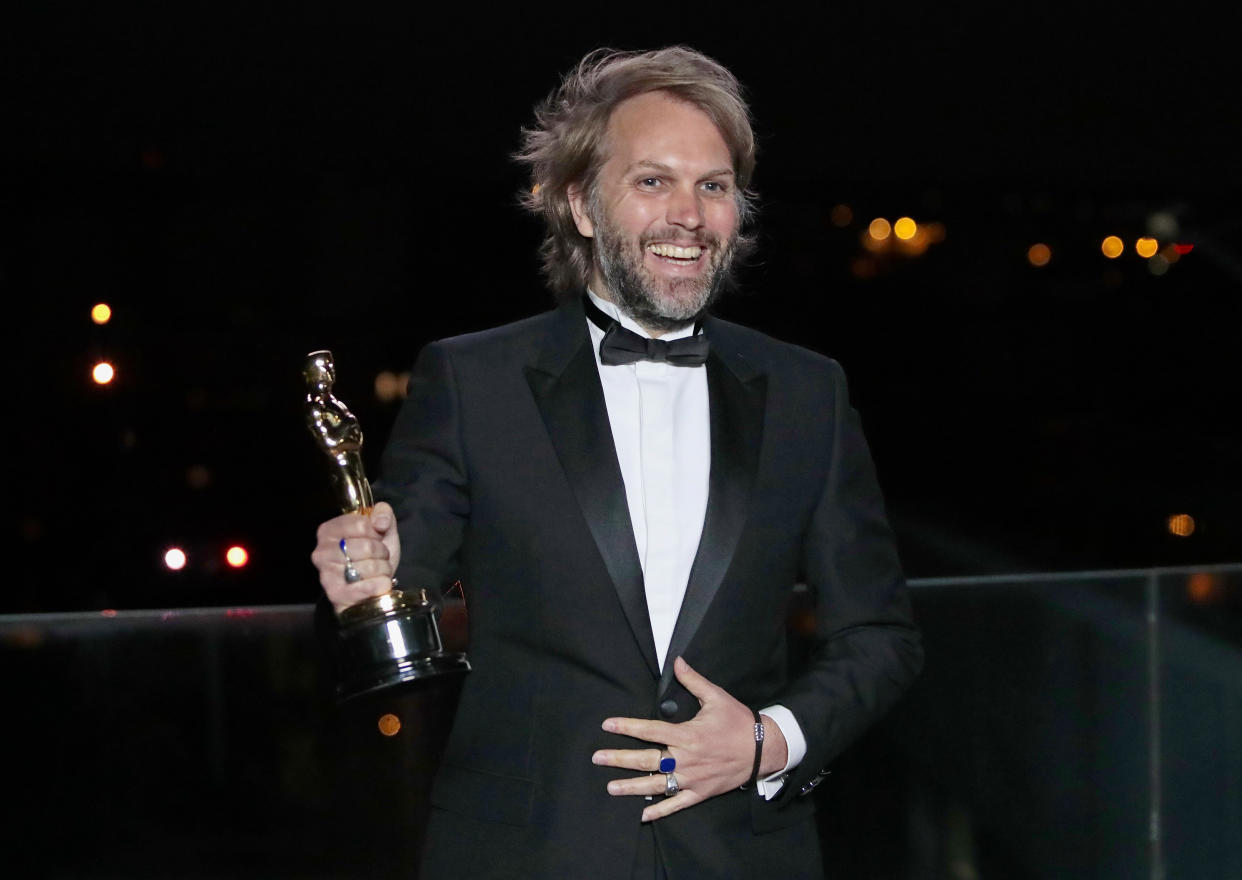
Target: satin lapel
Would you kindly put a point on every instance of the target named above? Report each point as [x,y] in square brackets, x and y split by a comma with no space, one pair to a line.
[565,383]
[736,396]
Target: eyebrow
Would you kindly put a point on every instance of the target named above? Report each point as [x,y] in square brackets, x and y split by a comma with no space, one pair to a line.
[667,169]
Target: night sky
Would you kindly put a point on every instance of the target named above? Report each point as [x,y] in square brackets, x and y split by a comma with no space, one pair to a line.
[245,185]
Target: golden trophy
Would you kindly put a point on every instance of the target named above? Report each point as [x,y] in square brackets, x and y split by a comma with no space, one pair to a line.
[392,638]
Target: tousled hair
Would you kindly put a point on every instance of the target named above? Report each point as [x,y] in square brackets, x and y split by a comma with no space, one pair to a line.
[566,146]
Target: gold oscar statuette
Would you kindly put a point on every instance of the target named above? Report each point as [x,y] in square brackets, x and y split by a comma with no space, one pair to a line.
[392,638]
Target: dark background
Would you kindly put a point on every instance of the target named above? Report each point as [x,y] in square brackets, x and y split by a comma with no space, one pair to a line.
[244,185]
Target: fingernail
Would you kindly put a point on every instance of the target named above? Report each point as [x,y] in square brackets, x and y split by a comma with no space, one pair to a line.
[597,758]
[646,818]
[612,788]
[610,725]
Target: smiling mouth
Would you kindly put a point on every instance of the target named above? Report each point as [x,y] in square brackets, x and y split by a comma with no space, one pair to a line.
[676,254]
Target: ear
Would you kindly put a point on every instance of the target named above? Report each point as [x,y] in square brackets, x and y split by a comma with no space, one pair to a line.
[577,206]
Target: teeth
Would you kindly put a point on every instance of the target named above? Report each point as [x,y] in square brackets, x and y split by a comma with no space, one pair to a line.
[672,250]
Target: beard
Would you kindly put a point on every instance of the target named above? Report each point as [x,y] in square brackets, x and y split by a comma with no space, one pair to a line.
[660,304]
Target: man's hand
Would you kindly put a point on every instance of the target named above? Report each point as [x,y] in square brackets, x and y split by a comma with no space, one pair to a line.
[372,545]
[715,750]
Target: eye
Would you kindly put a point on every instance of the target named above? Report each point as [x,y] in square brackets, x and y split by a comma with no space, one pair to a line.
[649,182]
[715,186]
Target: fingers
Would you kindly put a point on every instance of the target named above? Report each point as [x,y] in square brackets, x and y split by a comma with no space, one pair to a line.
[363,548]
[645,729]
[669,805]
[630,759]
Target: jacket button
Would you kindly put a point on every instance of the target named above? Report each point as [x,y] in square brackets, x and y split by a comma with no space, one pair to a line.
[669,708]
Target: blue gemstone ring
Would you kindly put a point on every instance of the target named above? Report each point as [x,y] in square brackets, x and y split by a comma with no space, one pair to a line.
[668,764]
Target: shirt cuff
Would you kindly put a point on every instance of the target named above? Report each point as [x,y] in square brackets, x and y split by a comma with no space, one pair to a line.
[770,786]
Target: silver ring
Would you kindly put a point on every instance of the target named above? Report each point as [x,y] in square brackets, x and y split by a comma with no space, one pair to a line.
[670,784]
[351,574]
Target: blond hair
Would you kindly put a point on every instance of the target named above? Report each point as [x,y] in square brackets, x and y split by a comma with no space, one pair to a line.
[566,146]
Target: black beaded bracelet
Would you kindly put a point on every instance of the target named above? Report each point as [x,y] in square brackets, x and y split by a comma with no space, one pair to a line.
[754,773]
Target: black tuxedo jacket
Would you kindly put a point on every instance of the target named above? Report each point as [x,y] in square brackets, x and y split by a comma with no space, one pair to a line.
[503,473]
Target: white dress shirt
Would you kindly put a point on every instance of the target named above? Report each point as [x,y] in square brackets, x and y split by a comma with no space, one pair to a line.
[662,433]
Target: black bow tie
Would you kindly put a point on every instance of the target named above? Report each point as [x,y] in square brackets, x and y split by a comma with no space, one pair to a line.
[622,346]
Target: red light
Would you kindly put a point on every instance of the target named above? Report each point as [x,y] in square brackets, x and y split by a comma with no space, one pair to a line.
[1183,249]
[237,556]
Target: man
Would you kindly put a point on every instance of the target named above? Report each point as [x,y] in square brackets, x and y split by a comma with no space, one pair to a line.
[629,531]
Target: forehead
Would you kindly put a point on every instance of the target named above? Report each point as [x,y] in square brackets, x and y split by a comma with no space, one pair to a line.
[657,127]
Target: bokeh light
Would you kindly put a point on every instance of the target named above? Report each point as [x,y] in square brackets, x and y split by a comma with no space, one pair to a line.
[1038,254]
[879,229]
[389,724]
[904,228]
[1182,525]
[236,556]
[1146,247]
[101,313]
[841,216]
[1112,247]
[175,558]
[102,373]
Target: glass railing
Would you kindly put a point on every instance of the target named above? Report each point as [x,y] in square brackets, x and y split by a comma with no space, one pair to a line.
[1066,726]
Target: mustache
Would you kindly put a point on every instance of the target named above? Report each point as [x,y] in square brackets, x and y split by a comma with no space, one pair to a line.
[681,238]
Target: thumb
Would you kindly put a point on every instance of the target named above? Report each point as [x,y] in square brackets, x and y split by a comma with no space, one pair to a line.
[382,517]
[696,684]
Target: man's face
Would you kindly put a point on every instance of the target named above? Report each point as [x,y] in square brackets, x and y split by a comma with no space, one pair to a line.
[664,214]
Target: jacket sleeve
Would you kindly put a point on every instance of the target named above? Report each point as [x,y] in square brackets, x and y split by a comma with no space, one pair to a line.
[423,474]
[866,650]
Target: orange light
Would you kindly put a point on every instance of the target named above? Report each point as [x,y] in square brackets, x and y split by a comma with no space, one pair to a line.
[1182,525]
[1202,586]
[236,556]
[389,724]
[1038,254]
[101,313]
[1112,247]
[175,559]
[1146,247]
[102,373]
[905,228]
[841,216]
[879,229]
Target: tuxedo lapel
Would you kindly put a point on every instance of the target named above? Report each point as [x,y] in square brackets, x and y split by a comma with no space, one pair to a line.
[565,382]
[736,393]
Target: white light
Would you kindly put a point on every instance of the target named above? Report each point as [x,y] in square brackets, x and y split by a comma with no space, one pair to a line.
[175,558]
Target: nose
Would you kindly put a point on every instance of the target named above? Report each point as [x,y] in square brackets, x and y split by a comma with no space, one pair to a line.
[685,208]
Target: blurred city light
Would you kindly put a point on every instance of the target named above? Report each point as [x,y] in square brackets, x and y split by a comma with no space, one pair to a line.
[197,476]
[175,559]
[389,724]
[1182,525]
[236,556]
[101,313]
[1038,254]
[1146,247]
[841,216]
[1112,247]
[390,386]
[1183,249]
[1203,586]
[879,229]
[102,373]
[905,228]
